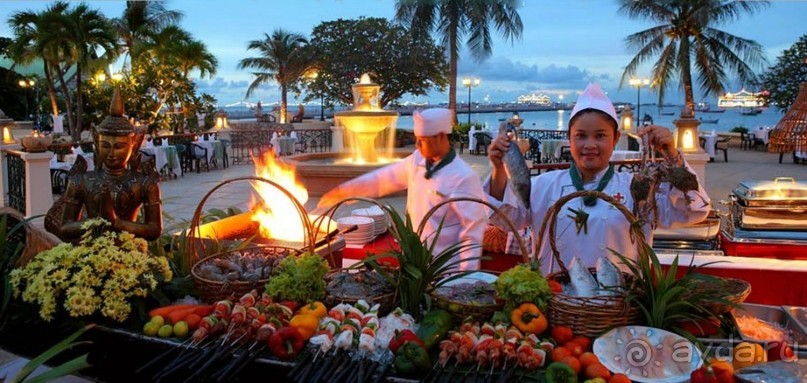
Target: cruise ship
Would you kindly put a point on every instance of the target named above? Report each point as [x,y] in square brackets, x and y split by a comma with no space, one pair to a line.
[742,99]
[538,99]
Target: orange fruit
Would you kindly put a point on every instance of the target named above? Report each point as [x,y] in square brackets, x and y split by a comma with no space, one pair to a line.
[619,378]
[748,354]
[588,358]
[719,364]
[572,362]
[575,349]
[562,334]
[597,371]
[559,353]
[583,341]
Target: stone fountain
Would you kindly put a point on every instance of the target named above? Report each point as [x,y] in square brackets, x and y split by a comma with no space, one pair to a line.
[369,138]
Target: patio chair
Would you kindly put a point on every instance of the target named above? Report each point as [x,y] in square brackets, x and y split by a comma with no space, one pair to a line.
[182,153]
[565,154]
[483,140]
[198,155]
[224,145]
[535,150]
[746,140]
[722,144]
[461,139]
[58,180]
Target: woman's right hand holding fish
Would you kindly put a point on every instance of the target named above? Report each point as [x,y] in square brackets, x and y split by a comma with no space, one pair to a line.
[498,177]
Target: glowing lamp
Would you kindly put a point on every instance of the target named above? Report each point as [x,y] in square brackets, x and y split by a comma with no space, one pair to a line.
[221,120]
[627,118]
[8,138]
[687,137]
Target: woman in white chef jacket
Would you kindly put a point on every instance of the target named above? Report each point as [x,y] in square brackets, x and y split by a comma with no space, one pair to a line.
[432,174]
[593,135]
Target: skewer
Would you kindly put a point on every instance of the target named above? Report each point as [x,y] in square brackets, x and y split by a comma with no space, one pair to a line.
[183,361]
[162,356]
[249,360]
[217,355]
[297,367]
[329,359]
[383,372]
[225,372]
[370,371]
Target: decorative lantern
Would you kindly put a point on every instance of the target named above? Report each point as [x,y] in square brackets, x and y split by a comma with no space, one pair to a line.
[221,120]
[627,118]
[6,123]
[686,132]
[36,142]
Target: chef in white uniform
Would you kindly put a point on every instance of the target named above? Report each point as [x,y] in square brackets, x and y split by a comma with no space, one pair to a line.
[593,135]
[432,174]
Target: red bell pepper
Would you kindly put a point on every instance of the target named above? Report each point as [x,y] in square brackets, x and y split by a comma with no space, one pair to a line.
[401,338]
[707,374]
[286,343]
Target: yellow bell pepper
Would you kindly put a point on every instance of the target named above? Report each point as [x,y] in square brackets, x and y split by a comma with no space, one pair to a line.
[305,324]
[316,309]
[748,354]
[528,318]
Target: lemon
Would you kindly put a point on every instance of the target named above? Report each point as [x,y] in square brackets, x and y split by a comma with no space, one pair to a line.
[165,331]
[181,329]
[150,329]
[748,354]
[159,320]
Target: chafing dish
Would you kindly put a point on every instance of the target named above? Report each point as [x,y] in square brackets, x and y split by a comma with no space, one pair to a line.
[698,236]
[780,204]
[777,316]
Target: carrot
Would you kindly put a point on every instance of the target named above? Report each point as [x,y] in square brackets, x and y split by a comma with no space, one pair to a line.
[165,310]
[204,311]
[178,315]
[193,321]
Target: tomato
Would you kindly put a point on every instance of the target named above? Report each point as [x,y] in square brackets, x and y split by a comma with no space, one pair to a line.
[562,334]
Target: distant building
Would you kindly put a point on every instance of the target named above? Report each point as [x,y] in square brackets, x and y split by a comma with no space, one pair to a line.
[741,99]
[539,99]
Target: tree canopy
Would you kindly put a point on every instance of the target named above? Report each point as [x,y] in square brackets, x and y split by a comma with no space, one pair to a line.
[783,79]
[685,37]
[345,49]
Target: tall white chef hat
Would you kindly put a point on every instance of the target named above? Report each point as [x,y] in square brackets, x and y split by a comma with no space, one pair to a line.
[431,122]
[594,98]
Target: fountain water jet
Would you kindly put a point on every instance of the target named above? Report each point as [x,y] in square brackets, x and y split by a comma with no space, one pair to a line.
[370,136]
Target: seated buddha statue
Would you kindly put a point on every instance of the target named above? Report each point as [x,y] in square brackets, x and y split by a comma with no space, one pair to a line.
[116,190]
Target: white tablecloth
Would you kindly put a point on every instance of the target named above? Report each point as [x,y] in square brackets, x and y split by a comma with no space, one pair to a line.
[709,144]
[213,148]
[553,147]
[762,133]
[70,159]
[161,154]
[621,155]
[472,139]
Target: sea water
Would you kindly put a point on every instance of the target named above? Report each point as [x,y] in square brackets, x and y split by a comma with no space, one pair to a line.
[559,119]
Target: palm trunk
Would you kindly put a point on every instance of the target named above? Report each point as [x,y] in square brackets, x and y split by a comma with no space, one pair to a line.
[54,106]
[283,106]
[79,101]
[453,57]
[686,74]
[68,102]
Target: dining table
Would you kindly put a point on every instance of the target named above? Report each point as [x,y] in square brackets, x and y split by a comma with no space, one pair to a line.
[165,156]
[709,144]
[69,159]
[553,148]
[622,155]
[215,150]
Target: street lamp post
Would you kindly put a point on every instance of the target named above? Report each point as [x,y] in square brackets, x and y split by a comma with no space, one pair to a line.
[639,83]
[470,83]
[27,84]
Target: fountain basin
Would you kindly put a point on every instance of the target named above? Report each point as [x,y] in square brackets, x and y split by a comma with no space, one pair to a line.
[321,172]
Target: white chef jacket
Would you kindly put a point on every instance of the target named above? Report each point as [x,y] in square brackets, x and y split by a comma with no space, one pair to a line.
[607,226]
[465,222]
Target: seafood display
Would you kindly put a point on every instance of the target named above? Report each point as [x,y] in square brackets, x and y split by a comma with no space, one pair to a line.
[582,283]
[473,293]
[518,175]
[364,283]
[250,265]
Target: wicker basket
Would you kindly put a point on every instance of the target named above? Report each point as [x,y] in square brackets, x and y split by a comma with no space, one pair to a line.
[210,290]
[589,316]
[386,300]
[461,311]
[734,291]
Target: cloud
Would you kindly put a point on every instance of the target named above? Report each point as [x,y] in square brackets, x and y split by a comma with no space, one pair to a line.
[552,76]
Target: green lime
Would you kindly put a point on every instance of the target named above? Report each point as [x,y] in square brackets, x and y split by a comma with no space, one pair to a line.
[181,329]
[159,320]
[150,329]
[165,331]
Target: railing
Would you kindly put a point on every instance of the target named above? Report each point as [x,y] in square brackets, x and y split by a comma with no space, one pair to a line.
[314,140]
[632,166]
[16,181]
[535,136]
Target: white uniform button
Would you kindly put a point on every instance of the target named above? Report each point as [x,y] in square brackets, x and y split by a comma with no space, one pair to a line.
[602,246]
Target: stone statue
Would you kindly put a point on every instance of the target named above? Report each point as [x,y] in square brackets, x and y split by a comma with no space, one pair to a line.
[118,187]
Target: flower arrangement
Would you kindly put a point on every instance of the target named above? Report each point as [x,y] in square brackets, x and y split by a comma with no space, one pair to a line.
[101,273]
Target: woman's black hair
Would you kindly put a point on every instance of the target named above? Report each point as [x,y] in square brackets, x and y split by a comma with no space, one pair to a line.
[590,110]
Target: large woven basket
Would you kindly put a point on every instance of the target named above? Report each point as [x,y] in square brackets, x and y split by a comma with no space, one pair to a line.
[462,311]
[386,300]
[588,316]
[210,290]
[734,291]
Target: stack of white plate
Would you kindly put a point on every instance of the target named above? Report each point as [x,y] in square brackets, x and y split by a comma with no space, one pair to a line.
[360,236]
[380,219]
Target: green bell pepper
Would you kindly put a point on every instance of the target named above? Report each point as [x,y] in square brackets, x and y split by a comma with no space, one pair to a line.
[434,327]
[411,359]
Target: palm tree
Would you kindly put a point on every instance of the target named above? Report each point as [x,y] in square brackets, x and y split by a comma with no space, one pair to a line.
[455,19]
[141,18]
[685,36]
[193,55]
[91,32]
[282,59]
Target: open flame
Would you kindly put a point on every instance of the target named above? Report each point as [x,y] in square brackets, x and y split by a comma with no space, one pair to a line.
[276,215]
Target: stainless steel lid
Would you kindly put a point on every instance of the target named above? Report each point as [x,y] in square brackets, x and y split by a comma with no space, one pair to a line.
[780,191]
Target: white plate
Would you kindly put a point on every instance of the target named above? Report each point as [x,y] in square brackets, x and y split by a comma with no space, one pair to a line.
[353,220]
[647,354]
[474,277]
